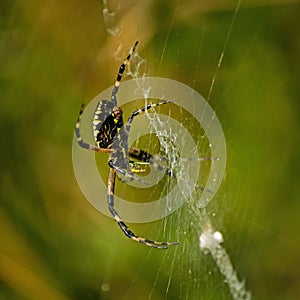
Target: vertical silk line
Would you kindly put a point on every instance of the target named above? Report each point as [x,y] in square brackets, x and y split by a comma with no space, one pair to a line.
[224,49]
[167,38]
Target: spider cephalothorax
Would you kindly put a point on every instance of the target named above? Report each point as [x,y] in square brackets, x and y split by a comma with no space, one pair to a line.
[117,112]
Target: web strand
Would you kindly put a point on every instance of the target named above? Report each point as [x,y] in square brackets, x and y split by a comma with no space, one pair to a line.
[220,61]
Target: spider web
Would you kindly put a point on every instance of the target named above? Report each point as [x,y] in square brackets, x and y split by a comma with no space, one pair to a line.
[200,265]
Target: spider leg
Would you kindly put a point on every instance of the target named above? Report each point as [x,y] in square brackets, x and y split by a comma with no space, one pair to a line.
[127,174]
[142,158]
[136,153]
[123,226]
[120,74]
[139,154]
[81,142]
[143,109]
[200,159]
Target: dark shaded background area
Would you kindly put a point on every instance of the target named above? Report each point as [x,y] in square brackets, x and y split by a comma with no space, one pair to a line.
[55,54]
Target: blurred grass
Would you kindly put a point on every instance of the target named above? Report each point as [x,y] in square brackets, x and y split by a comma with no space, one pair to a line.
[54,55]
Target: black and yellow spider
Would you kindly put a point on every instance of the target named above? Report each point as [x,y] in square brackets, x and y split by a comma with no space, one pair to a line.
[111,136]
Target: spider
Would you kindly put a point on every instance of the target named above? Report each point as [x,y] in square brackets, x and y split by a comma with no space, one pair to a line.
[111,136]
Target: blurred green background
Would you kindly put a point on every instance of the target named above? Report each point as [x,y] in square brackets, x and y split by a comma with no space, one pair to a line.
[56,54]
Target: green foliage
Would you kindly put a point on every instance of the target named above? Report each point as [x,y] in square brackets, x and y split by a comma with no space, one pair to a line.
[54,55]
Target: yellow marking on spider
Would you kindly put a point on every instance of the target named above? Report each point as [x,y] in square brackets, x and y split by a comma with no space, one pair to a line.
[118,219]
